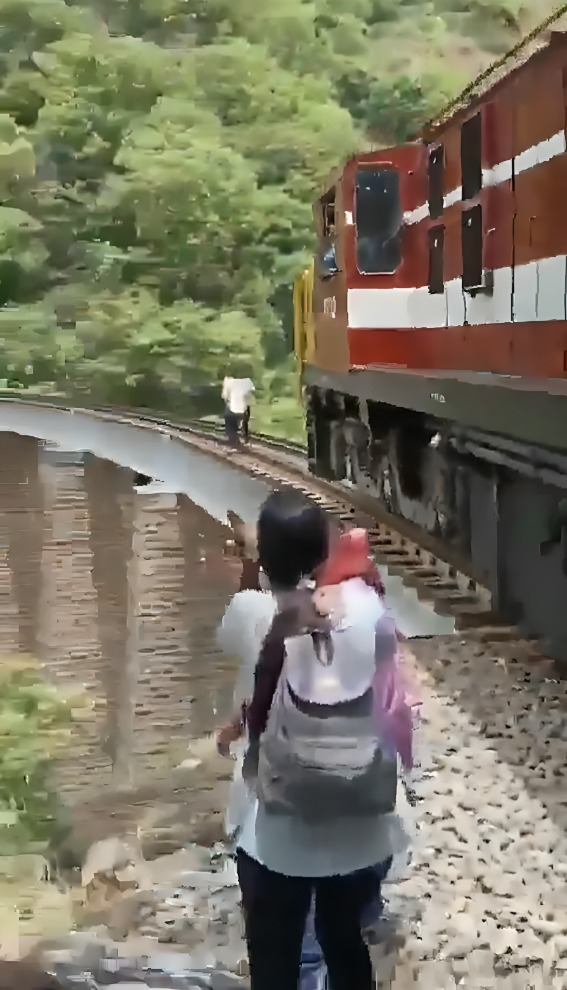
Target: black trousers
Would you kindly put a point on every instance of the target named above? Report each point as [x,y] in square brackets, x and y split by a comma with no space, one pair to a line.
[246,425]
[275,911]
[232,423]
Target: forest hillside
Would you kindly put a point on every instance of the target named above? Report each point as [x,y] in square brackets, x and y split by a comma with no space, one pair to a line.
[157,166]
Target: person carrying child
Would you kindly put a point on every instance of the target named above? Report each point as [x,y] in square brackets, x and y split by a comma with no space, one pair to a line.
[290,848]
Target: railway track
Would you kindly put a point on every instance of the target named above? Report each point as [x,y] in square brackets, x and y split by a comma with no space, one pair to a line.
[430,569]
[437,575]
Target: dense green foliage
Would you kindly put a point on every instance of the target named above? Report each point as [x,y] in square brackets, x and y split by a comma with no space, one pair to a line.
[35,722]
[157,165]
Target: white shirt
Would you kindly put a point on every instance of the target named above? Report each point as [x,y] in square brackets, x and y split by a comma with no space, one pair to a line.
[281,842]
[353,666]
[236,393]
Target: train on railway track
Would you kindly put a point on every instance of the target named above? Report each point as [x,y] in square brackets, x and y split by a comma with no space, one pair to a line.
[431,330]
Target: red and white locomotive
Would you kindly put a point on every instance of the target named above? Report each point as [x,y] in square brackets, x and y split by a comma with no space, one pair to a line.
[434,352]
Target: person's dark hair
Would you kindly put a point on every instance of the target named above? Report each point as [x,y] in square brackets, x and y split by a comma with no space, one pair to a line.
[293,538]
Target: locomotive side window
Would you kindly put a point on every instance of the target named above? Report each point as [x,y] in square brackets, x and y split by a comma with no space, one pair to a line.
[327,265]
[471,157]
[435,175]
[378,221]
[471,242]
[436,257]
[328,218]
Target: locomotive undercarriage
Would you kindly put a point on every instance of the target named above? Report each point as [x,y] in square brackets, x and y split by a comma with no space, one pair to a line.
[499,504]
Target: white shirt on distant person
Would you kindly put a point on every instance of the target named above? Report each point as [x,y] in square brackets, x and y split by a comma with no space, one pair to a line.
[236,393]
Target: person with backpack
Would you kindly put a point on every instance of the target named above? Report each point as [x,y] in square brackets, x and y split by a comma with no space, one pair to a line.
[289,848]
[313,972]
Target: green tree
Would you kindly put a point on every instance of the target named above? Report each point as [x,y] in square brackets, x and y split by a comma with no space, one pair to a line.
[396,108]
[35,722]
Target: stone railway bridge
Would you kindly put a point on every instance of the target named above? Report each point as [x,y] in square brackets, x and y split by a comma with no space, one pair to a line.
[120,588]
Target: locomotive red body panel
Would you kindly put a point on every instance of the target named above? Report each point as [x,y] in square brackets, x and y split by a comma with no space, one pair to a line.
[451,251]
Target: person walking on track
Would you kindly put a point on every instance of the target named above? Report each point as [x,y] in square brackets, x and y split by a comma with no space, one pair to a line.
[236,394]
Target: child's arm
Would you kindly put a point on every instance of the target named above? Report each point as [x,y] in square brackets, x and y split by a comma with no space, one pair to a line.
[230,733]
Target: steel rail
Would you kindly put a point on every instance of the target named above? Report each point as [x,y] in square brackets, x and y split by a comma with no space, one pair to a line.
[423,564]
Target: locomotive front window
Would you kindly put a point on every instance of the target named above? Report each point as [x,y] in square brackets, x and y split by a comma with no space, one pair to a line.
[378,221]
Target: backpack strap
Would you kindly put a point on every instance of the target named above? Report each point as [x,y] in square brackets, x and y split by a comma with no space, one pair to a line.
[268,671]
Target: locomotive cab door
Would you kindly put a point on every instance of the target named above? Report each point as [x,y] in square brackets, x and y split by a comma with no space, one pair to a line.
[369,238]
[386,252]
[385,194]
[330,350]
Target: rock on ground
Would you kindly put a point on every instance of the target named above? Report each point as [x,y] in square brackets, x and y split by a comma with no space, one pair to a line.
[483,903]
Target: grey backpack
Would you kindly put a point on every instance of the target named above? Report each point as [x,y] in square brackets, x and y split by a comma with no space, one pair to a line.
[317,761]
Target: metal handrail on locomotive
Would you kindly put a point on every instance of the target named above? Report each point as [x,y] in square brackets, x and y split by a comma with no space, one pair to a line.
[433,348]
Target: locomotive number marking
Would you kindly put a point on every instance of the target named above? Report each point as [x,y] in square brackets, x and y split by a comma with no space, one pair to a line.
[437,397]
[330,306]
